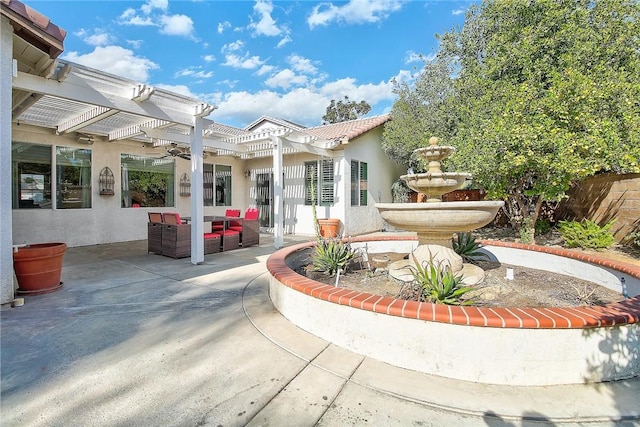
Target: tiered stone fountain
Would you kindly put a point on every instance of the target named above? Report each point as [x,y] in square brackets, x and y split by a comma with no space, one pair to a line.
[436,221]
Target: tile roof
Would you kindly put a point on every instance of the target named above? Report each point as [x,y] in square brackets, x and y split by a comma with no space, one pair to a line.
[34,27]
[345,131]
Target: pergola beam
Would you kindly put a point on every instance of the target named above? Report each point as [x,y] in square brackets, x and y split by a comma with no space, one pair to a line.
[75,88]
[133,131]
[85,119]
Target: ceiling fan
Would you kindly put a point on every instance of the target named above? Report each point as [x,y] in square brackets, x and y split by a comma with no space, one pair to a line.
[176,151]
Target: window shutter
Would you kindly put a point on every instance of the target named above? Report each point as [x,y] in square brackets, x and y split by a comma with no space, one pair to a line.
[327,182]
[310,178]
[355,194]
[363,184]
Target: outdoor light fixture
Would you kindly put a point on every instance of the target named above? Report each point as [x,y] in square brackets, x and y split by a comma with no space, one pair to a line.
[86,139]
[247,173]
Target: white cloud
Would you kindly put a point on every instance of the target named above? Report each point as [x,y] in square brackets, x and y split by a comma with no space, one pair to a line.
[115,60]
[285,79]
[209,58]
[458,12]
[223,26]
[354,12]
[179,89]
[177,25]
[136,44]
[302,64]
[266,25]
[300,105]
[191,72]
[98,38]
[129,17]
[286,39]
[150,5]
[233,46]
[246,62]
[265,69]
[173,25]
[304,105]
[418,57]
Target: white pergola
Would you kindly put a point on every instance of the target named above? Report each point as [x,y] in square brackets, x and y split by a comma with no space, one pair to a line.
[102,108]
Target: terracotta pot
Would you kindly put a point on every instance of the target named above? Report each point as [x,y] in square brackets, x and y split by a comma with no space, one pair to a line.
[38,267]
[329,227]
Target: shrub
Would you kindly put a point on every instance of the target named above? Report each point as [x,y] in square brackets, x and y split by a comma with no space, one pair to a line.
[586,234]
[526,231]
[543,226]
[439,284]
[468,248]
[331,256]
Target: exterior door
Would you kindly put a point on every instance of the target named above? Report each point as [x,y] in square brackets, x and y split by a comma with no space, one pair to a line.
[264,184]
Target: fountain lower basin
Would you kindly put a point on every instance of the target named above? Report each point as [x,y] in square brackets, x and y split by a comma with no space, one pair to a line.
[437,222]
[499,345]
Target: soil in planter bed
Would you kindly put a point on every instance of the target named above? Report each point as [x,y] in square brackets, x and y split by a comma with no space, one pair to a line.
[529,288]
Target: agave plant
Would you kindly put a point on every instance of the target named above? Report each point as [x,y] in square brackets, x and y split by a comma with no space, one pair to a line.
[331,256]
[439,284]
[468,248]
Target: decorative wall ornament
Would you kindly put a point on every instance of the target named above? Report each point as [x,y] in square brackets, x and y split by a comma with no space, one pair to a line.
[185,185]
[106,182]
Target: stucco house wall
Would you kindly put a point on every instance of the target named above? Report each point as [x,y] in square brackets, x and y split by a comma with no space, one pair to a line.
[106,221]
[382,172]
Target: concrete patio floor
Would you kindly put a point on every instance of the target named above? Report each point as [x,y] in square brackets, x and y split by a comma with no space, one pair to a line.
[137,339]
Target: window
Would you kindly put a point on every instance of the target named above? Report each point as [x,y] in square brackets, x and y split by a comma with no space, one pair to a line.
[319,181]
[358,183]
[217,185]
[147,181]
[31,176]
[73,178]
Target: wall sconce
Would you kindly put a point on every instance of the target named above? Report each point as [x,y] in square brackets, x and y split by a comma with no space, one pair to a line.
[185,185]
[247,173]
[106,182]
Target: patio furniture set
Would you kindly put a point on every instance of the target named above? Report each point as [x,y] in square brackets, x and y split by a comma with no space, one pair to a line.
[170,235]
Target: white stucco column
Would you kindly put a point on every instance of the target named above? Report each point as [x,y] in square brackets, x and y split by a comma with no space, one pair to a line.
[278,218]
[197,196]
[6,223]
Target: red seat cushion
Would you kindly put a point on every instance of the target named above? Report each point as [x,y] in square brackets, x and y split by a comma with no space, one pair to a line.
[211,235]
[251,213]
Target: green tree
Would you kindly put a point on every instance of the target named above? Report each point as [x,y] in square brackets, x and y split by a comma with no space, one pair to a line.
[420,111]
[543,94]
[341,111]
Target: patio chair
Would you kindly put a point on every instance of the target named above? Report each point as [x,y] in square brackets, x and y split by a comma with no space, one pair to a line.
[176,237]
[212,243]
[249,228]
[154,233]
[219,225]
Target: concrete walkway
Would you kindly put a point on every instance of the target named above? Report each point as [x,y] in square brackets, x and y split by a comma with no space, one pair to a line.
[136,339]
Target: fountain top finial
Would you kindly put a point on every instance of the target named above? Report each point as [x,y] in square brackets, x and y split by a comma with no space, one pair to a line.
[433,141]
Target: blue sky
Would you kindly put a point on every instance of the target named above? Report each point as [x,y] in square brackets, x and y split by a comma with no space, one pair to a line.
[286,59]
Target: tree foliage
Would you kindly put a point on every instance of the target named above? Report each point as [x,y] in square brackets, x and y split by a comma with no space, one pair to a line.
[539,95]
[341,111]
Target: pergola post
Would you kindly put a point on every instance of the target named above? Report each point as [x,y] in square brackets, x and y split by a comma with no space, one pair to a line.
[197,196]
[278,220]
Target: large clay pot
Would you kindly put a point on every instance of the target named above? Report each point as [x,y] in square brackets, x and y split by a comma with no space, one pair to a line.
[38,267]
[329,227]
